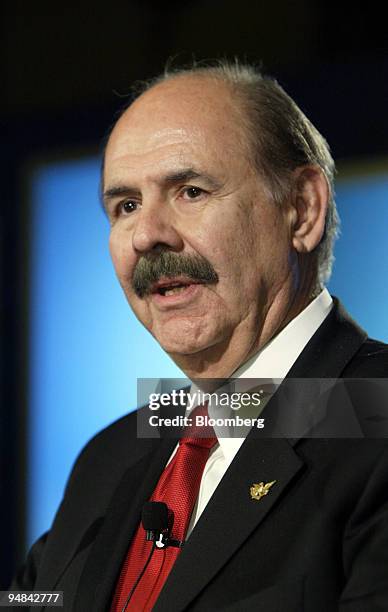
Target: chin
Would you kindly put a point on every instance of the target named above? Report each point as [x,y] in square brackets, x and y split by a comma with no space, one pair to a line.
[175,348]
[185,339]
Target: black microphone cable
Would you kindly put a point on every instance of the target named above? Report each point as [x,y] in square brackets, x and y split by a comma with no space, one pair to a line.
[131,592]
[155,523]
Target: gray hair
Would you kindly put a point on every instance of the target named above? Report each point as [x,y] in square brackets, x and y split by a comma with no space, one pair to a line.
[281,137]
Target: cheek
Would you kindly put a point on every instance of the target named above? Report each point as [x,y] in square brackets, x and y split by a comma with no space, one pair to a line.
[121,254]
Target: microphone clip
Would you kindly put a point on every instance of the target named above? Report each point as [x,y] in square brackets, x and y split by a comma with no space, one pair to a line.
[155,520]
[161,539]
[162,542]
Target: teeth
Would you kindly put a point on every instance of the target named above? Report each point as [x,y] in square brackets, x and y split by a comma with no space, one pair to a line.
[175,290]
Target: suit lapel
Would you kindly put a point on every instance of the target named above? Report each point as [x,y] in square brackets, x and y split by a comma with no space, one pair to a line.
[122,519]
[332,346]
[326,355]
[212,541]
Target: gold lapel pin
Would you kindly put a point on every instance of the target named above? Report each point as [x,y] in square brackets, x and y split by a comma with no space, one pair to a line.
[259,490]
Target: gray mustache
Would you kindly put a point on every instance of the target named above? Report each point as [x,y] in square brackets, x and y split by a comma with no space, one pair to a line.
[155,265]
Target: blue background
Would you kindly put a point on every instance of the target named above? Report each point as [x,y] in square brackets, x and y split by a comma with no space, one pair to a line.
[86,347]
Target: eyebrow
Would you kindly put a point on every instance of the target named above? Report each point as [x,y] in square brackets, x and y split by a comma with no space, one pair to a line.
[188,174]
[178,176]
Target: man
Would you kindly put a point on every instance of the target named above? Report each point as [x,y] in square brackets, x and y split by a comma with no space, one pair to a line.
[219,192]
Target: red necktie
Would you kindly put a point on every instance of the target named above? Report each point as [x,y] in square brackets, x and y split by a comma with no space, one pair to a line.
[178,487]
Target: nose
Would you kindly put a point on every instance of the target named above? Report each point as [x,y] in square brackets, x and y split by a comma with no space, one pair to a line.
[155,227]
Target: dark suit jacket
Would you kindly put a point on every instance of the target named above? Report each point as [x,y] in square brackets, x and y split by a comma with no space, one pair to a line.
[317,542]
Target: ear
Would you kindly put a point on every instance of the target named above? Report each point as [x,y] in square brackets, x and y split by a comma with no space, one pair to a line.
[310,200]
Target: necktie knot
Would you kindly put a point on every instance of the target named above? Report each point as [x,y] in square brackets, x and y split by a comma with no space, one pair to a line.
[199,432]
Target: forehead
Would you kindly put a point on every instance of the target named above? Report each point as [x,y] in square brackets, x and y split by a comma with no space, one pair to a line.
[178,121]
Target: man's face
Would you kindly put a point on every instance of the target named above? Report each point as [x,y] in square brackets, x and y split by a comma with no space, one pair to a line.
[178,179]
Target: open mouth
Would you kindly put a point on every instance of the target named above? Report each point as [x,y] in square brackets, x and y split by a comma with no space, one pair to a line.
[172,286]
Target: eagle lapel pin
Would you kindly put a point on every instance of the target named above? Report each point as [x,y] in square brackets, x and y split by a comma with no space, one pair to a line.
[259,490]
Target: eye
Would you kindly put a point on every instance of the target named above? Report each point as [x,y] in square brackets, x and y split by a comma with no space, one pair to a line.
[192,193]
[126,207]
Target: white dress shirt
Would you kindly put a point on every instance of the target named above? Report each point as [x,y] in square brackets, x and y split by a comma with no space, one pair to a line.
[273,361]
